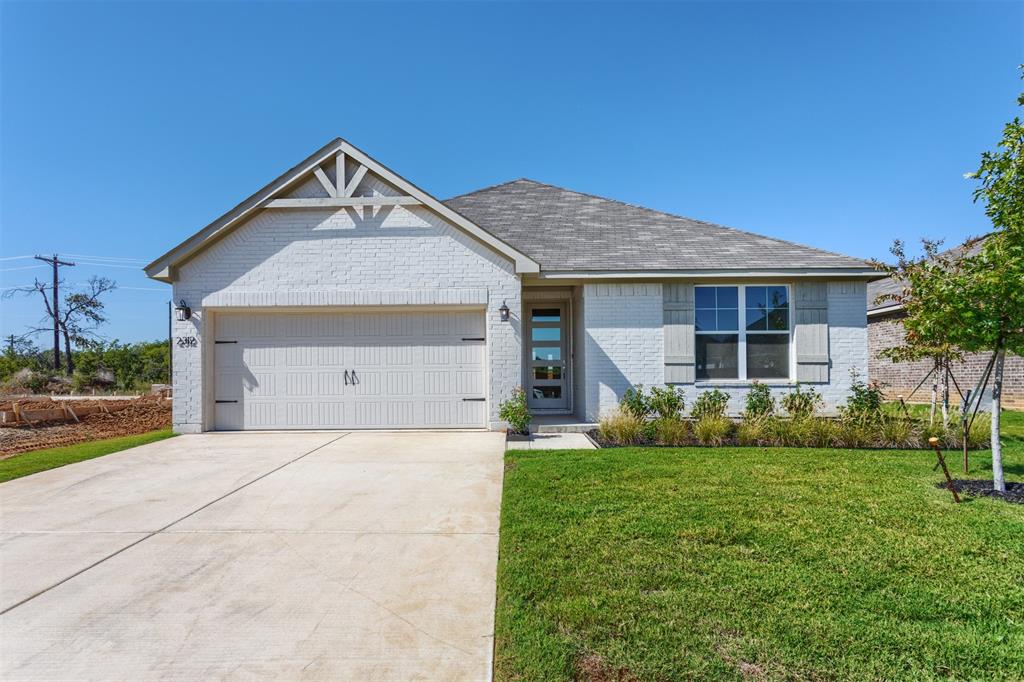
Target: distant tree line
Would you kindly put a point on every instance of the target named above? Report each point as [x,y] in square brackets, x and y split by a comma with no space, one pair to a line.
[97,365]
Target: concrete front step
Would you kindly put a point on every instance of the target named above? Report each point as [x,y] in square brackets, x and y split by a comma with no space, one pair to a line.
[548,426]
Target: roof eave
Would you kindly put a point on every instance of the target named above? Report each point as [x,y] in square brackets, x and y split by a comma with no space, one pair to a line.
[867,274]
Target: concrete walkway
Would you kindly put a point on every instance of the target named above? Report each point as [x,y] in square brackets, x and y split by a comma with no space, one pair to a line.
[368,556]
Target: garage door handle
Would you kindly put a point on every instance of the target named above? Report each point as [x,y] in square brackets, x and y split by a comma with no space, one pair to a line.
[473,338]
[225,341]
[473,400]
[225,401]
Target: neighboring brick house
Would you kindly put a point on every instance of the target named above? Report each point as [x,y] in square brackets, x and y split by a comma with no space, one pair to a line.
[341,295]
[886,331]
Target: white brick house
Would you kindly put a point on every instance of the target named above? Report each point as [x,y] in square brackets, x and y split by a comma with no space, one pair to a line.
[343,296]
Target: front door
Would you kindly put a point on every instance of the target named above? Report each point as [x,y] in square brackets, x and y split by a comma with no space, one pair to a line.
[547,380]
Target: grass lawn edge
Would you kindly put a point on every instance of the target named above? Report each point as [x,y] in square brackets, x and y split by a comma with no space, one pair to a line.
[35,461]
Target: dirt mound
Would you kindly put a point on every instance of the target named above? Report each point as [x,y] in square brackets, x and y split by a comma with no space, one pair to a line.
[147,413]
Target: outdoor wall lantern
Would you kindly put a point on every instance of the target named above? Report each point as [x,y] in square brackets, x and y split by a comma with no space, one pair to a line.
[182,311]
[504,312]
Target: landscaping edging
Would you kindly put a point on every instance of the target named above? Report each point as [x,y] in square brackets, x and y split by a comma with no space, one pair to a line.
[732,442]
[1014,491]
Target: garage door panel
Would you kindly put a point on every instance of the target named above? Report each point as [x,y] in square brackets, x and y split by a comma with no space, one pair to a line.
[331,384]
[300,414]
[366,370]
[400,355]
[227,356]
[330,355]
[399,383]
[228,416]
[259,356]
[261,385]
[299,384]
[330,414]
[469,383]
[230,385]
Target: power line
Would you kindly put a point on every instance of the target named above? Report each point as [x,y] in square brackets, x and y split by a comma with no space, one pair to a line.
[14,257]
[24,267]
[110,265]
[110,258]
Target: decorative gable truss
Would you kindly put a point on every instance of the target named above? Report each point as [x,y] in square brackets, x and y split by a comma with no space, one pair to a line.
[341,175]
[341,186]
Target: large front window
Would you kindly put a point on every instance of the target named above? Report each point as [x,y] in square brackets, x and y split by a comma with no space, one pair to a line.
[743,332]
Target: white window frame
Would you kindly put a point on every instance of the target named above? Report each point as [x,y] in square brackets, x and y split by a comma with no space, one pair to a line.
[741,346]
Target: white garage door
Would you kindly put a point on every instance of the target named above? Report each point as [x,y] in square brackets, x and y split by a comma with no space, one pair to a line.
[349,370]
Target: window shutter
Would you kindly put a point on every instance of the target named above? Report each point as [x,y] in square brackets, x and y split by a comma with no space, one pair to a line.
[677,303]
[811,332]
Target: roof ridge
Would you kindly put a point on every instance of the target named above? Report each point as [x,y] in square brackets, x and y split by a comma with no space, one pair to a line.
[490,187]
[682,217]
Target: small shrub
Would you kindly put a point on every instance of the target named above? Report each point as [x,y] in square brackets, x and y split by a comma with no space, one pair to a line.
[760,402]
[621,427]
[635,402]
[865,401]
[712,429]
[649,431]
[710,404]
[800,403]
[671,431]
[516,413]
[668,402]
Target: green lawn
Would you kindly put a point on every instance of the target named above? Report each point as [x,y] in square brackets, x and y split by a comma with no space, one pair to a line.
[732,563]
[41,460]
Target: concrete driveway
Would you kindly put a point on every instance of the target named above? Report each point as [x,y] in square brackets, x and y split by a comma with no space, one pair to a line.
[335,556]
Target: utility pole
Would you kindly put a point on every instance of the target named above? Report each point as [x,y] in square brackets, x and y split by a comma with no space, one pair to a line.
[56,263]
[10,344]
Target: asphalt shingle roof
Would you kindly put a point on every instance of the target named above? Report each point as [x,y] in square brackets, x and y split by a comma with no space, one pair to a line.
[571,231]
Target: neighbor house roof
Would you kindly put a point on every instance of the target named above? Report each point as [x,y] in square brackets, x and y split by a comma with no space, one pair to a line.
[571,231]
[890,286]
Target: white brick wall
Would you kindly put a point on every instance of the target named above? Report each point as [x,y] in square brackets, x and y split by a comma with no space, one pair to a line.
[318,256]
[624,345]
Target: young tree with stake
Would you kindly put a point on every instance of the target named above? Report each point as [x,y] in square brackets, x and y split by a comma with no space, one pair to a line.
[973,300]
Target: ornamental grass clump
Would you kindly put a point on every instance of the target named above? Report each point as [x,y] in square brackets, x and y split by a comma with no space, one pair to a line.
[754,431]
[712,429]
[621,427]
[671,431]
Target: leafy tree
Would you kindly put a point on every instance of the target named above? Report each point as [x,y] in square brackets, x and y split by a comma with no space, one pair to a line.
[972,300]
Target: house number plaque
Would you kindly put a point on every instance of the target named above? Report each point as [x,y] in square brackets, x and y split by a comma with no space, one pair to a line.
[188,342]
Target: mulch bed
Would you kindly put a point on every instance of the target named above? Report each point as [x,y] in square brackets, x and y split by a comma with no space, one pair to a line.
[148,413]
[1014,491]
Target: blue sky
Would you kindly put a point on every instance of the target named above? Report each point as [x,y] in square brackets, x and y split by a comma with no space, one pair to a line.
[127,127]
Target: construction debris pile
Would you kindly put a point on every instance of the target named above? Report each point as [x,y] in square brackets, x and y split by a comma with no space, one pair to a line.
[32,424]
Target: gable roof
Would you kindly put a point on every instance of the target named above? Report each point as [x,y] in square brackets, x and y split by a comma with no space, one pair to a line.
[571,231]
[891,286]
[163,267]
